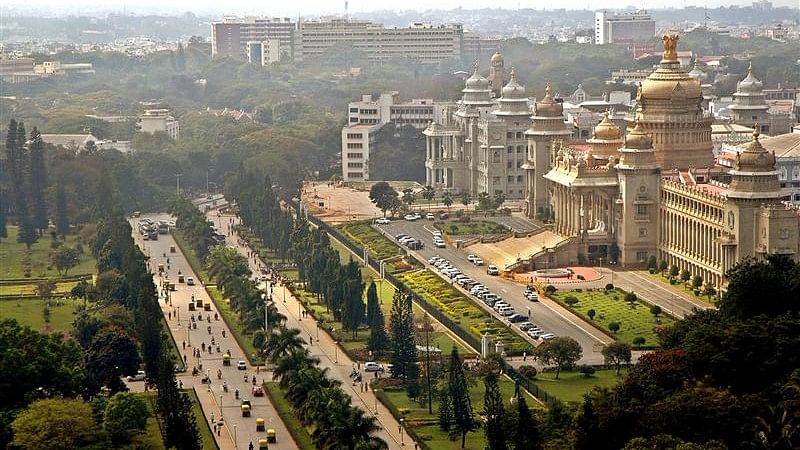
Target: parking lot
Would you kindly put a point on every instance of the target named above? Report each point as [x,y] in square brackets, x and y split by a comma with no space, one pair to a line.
[546,314]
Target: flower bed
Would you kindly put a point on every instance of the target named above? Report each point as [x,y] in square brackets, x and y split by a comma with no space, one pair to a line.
[364,235]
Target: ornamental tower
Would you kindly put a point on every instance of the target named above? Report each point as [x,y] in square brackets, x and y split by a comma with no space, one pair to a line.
[669,108]
[497,73]
[749,103]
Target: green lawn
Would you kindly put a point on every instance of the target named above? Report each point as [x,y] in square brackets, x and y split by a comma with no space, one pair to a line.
[455,228]
[298,431]
[191,257]
[461,309]
[634,321]
[571,386]
[364,235]
[28,311]
[244,339]
[679,285]
[12,254]
[30,288]
[424,424]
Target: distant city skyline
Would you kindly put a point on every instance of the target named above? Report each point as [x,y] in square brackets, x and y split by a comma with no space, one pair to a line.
[325,7]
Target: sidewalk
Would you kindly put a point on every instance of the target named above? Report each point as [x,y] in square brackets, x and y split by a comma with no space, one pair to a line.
[326,349]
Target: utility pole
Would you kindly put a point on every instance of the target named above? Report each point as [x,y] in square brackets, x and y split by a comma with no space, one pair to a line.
[178,184]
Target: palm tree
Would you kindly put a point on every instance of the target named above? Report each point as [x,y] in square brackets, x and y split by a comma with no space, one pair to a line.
[428,193]
[283,343]
[447,199]
[290,365]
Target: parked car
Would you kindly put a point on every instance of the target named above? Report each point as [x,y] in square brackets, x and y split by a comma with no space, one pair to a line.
[439,244]
[430,216]
[140,376]
[400,236]
[547,336]
[383,221]
[478,262]
[517,318]
[241,365]
[507,311]
[471,258]
[372,366]
[525,326]
[410,217]
[492,270]
[444,216]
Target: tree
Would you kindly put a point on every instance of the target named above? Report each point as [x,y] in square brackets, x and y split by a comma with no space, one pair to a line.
[631,298]
[526,434]
[587,428]
[45,288]
[38,181]
[27,231]
[466,199]
[463,421]
[62,216]
[378,339]
[494,414]
[408,197]
[613,326]
[697,282]
[655,310]
[591,313]
[561,351]
[638,341]
[428,193]
[617,353]
[382,195]
[353,293]
[673,271]
[404,348]
[571,300]
[447,200]
[498,199]
[709,290]
[484,202]
[125,415]
[54,423]
[175,410]
[111,354]
[651,262]
[3,205]
[749,279]
[445,415]
[662,266]
[65,258]
[685,275]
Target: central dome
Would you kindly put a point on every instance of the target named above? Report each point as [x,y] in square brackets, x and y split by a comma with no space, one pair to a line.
[477,81]
[670,80]
[549,107]
[512,89]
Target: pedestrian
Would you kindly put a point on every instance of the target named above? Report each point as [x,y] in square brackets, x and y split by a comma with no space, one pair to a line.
[184,345]
[213,420]
[184,358]
[169,314]
[524,356]
[311,340]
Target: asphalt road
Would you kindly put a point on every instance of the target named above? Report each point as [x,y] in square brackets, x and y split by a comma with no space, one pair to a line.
[211,395]
[670,299]
[546,314]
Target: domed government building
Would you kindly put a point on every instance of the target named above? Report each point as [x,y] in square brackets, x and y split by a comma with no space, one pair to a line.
[652,191]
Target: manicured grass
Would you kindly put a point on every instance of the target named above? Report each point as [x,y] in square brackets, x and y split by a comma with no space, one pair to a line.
[634,321]
[244,339]
[455,228]
[298,431]
[12,254]
[191,257]
[28,311]
[571,386]
[679,285]
[424,424]
[461,309]
[364,235]
[30,288]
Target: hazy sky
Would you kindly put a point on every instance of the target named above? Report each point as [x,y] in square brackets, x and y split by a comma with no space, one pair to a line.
[315,7]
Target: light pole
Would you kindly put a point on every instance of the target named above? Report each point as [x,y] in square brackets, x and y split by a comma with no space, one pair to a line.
[376,401]
[400,430]
[235,441]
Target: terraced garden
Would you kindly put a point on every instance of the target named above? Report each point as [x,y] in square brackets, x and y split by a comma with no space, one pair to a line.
[462,309]
[364,235]
[634,320]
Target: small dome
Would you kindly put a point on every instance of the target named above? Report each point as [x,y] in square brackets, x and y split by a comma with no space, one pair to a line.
[513,90]
[497,58]
[549,107]
[607,130]
[750,84]
[755,158]
[477,81]
[638,139]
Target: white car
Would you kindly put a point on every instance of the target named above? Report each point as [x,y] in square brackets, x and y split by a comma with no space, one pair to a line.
[410,217]
[471,258]
[547,336]
[478,262]
[383,221]
[241,365]
[437,233]
[439,244]
[140,376]
[492,270]
[417,216]
[372,366]
[430,216]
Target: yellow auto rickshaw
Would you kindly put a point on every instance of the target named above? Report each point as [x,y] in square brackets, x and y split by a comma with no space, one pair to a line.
[207,306]
[191,306]
[180,279]
[271,436]
[246,409]
[262,444]
[226,359]
[172,249]
[260,424]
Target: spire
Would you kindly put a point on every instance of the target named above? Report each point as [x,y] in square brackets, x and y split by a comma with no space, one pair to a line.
[476,67]
[750,69]
[513,73]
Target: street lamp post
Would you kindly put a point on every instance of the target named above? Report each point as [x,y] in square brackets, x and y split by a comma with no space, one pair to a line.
[235,441]
[400,430]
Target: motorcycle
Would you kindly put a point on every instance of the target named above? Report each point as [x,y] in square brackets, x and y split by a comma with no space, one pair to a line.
[223,333]
[225,386]
[219,374]
[206,380]
[236,394]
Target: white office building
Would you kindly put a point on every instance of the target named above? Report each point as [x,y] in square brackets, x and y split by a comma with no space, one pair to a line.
[611,28]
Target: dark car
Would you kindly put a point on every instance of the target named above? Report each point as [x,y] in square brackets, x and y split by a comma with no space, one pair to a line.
[516,318]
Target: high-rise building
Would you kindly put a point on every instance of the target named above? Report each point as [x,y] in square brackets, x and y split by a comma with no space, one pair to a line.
[610,28]
[230,36]
[419,42]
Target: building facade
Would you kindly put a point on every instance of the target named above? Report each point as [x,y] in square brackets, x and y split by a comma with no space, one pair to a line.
[657,194]
[153,120]
[610,28]
[230,36]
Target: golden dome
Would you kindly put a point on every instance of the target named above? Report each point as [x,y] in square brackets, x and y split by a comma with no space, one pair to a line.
[670,81]
[606,130]
[755,158]
[497,58]
[549,107]
[637,138]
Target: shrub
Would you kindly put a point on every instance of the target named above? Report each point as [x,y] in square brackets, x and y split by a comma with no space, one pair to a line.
[586,370]
[609,287]
[591,314]
[549,289]
[631,298]
[528,372]
[614,326]
[581,277]
[655,310]
[579,290]
[639,341]
[571,300]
